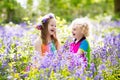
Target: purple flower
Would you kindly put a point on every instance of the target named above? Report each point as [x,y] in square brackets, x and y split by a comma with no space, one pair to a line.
[23,24]
[92,67]
[39,27]
[4,64]
[90,74]
[70,68]
[46,62]
[83,78]
[0,45]
[119,55]
[98,77]
[113,60]
[102,67]
[15,57]
[45,20]
[51,16]
[79,72]
[47,17]
[25,75]
[14,69]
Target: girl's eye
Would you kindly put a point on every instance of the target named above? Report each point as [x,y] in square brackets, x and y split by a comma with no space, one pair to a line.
[74,29]
[53,25]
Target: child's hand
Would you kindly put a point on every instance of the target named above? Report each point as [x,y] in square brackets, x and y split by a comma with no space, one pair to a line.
[80,52]
[54,35]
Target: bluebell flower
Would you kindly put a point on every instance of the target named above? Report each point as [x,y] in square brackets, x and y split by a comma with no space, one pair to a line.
[4,64]
[25,75]
[101,68]
[98,77]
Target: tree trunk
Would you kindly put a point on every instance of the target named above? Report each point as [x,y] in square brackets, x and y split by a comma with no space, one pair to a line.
[117,6]
[10,14]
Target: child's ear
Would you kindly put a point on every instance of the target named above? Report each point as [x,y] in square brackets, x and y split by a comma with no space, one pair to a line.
[85,25]
[85,29]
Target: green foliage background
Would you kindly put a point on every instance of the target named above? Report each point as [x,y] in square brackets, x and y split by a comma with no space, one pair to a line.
[11,10]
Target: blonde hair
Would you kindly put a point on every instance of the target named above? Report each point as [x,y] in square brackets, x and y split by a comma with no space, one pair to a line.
[82,24]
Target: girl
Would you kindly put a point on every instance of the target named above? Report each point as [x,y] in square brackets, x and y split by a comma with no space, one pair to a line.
[48,41]
[80,45]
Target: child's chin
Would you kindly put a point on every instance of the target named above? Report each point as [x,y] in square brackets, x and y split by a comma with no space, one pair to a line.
[73,36]
[51,34]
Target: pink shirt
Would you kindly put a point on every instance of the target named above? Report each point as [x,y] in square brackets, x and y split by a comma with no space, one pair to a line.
[74,47]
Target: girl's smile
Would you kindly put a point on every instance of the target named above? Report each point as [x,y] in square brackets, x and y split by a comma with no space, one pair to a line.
[73,34]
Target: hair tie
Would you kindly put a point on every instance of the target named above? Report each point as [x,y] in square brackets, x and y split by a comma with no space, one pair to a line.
[39,27]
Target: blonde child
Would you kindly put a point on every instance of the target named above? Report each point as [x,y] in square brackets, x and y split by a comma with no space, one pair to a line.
[47,41]
[80,45]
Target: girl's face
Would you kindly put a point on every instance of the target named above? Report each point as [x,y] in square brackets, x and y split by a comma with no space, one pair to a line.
[52,27]
[76,32]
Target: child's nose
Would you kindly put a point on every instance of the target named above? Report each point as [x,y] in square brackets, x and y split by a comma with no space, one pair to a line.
[72,31]
[54,27]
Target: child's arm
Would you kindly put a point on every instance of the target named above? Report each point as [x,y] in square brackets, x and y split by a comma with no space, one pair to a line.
[80,51]
[57,43]
[83,47]
[38,45]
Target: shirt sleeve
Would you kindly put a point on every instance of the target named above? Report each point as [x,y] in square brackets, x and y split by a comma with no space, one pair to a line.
[84,45]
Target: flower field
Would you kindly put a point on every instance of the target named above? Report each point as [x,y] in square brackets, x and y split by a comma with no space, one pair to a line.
[20,61]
